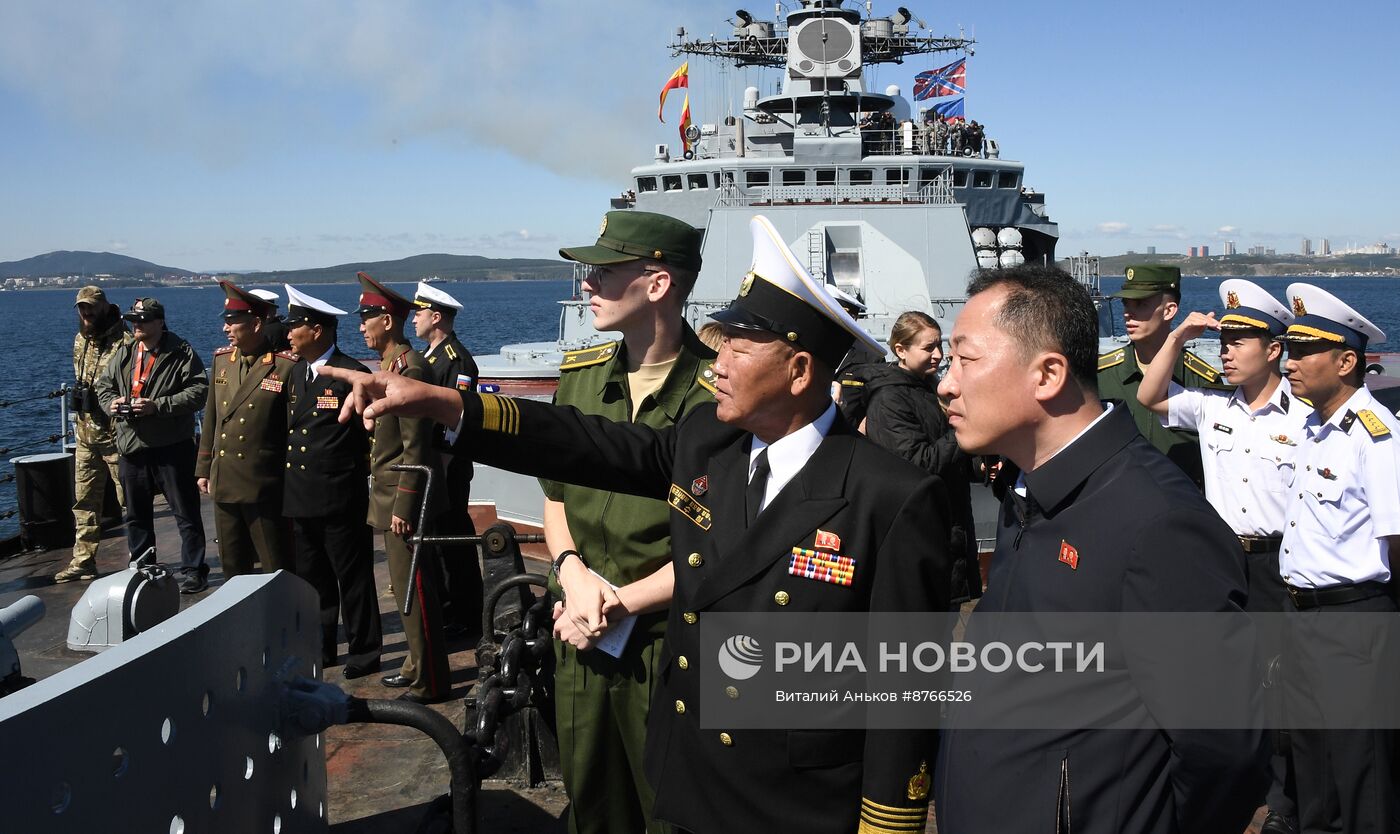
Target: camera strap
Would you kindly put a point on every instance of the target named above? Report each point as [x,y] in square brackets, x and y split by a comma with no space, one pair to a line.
[141,373]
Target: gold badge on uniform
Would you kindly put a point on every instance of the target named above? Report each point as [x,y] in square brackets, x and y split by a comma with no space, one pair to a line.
[1130,274]
[1299,308]
[680,500]
[919,784]
[603,227]
[1232,300]
[1284,439]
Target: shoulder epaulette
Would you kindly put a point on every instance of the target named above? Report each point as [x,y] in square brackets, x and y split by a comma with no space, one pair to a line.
[1373,424]
[269,358]
[1112,358]
[1200,367]
[860,383]
[706,378]
[588,356]
[451,351]
[226,349]
[288,355]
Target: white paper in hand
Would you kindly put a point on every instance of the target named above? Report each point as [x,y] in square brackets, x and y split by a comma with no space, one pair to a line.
[615,638]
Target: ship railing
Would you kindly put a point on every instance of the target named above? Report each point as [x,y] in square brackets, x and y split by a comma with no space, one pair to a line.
[935,192]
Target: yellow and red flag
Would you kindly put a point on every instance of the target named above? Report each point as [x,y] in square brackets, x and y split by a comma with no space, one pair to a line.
[679,78]
[685,122]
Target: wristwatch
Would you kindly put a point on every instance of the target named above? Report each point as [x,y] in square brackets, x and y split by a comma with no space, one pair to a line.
[559,561]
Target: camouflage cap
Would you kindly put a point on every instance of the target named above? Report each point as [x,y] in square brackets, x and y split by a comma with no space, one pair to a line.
[1147,280]
[145,309]
[636,235]
[91,295]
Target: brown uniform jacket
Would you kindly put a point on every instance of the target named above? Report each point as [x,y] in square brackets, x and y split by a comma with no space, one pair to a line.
[401,440]
[242,445]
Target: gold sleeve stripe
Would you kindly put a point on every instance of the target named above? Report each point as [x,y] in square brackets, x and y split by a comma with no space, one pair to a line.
[511,416]
[500,414]
[868,827]
[917,815]
[890,810]
[1304,330]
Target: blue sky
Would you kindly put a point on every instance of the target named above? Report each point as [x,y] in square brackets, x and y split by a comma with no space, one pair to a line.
[301,133]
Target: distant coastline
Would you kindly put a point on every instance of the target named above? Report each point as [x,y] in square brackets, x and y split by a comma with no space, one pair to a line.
[252,280]
[1278,266]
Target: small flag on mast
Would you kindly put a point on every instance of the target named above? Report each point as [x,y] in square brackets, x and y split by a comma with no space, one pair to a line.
[679,78]
[944,81]
[685,123]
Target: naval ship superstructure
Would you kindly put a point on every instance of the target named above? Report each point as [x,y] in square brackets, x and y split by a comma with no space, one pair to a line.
[876,211]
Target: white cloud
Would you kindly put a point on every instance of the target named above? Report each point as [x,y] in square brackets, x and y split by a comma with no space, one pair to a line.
[215,78]
[1228,230]
[1113,227]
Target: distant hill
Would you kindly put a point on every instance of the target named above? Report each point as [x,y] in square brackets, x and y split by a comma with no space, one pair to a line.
[446,267]
[86,263]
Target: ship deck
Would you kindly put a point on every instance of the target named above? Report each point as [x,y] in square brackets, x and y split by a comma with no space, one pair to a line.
[380,778]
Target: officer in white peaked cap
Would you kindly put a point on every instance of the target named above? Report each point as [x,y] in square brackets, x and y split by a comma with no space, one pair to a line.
[1338,558]
[777,506]
[431,297]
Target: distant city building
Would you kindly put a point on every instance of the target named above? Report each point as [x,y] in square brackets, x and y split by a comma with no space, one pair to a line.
[1326,247]
[1373,249]
[1151,250]
[1193,251]
[1306,248]
[1230,248]
[1205,251]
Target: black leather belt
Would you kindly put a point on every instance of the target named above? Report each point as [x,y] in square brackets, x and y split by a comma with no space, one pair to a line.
[1260,544]
[1305,598]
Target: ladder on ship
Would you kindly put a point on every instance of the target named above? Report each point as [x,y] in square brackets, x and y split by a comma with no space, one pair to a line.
[816,254]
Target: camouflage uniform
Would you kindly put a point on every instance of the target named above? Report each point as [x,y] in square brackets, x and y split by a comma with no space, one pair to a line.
[95,457]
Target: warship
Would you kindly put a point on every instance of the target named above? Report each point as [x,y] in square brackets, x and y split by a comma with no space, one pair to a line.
[851,177]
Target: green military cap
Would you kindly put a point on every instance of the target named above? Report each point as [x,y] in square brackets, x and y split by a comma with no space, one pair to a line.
[91,295]
[145,309]
[634,235]
[1146,280]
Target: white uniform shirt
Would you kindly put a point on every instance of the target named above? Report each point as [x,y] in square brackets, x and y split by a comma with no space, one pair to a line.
[788,454]
[1246,456]
[1345,498]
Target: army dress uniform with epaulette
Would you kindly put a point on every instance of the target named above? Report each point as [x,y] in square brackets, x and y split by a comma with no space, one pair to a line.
[1120,373]
[401,440]
[451,365]
[602,703]
[241,453]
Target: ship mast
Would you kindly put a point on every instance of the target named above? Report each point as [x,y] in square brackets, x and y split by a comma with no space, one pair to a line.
[760,43]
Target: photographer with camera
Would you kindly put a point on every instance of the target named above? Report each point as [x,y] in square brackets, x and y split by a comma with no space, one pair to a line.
[100,332]
[152,387]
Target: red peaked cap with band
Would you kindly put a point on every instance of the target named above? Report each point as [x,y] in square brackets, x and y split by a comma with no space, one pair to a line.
[240,302]
[377,298]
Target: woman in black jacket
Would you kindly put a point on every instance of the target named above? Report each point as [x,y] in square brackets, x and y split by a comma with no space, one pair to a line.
[905,416]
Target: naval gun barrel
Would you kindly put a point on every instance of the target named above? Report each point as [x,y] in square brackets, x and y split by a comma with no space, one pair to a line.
[17,617]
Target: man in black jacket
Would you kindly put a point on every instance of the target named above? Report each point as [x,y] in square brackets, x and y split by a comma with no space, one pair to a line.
[1098,522]
[326,494]
[767,474]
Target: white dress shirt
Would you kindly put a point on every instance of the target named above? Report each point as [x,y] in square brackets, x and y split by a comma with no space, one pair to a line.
[1247,456]
[787,455]
[1345,499]
[314,366]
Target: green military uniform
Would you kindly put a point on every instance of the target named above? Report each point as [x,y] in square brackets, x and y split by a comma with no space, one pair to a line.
[95,456]
[401,440]
[1120,374]
[241,453]
[601,701]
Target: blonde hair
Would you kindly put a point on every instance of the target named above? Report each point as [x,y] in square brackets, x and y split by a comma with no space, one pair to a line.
[909,325]
[712,334]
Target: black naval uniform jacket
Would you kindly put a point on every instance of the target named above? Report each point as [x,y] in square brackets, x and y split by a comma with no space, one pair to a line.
[1144,540]
[327,460]
[832,780]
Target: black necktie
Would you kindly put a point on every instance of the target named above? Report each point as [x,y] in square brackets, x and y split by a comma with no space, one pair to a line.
[758,485]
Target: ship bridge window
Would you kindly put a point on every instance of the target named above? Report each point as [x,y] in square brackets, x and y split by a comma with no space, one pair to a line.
[671,183]
[826,176]
[981,179]
[755,178]
[697,182]
[794,178]
[960,178]
[1008,179]
[646,184]
[896,176]
[928,176]
[862,176]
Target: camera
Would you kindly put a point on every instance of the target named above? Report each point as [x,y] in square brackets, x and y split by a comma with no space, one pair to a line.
[124,411]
